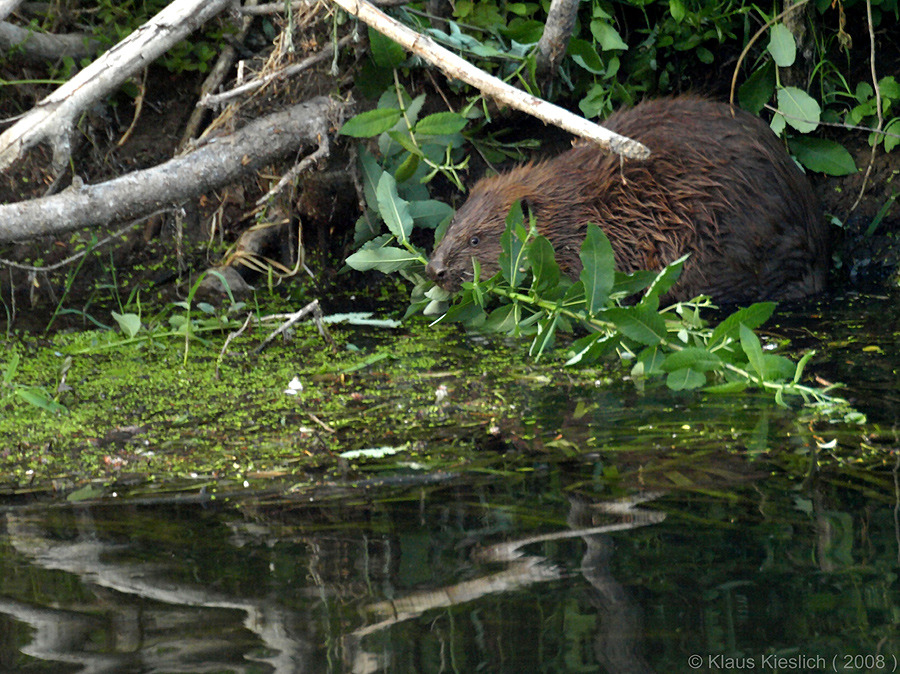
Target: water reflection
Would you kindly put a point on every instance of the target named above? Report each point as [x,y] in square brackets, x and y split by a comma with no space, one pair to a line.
[554,571]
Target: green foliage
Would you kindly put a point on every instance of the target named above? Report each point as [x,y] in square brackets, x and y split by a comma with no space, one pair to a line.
[114,20]
[37,396]
[182,320]
[621,53]
[529,297]
[865,111]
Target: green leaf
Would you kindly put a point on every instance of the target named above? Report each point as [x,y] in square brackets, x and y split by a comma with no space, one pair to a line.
[85,493]
[607,35]
[543,264]
[129,323]
[782,45]
[799,109]
[686,379]
[371,123]
[629,284]
[751,346]
[385,52]
[642,323]
[889,87]
[758,89]
[403,140]
[590,349]
[666,278]
[584,54]
[595,101]
[10,372]
[778,367]
[728,387]
[442,124]
[504,319]
[823,155]
[752,316]
[510,259]
[407,169]
[890,142]
[651,360]
[429,213]
[387,259]
[691,357]
[371,172]
[524,32]
[39,399]
[393,209]
[546,329]
[598,272]
[676,8]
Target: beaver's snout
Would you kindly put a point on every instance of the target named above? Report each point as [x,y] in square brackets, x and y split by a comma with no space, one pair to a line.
[442,275]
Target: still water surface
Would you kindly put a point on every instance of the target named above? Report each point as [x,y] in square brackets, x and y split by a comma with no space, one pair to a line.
[651,533]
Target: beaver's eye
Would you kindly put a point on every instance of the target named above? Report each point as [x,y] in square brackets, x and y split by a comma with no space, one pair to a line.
[473,241]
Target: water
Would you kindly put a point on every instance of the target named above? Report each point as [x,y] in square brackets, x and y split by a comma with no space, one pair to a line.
[615,532]
[552,572]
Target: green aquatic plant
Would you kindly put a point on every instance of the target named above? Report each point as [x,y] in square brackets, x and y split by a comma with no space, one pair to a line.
[37,396]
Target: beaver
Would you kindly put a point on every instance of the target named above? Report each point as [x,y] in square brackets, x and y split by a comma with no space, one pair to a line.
[718,185]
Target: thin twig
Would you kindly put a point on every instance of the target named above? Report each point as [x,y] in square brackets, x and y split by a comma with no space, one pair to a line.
[323,150]
[311,308]
[871,163]
[768,24]
[211,100]
[231,336]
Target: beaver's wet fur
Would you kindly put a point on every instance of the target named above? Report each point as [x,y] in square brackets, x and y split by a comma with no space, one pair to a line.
[719,185]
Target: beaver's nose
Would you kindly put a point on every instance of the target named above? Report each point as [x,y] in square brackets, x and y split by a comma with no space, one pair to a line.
[436,271]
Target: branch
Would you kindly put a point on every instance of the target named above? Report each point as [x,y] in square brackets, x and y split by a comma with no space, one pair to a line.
[54,117]
[219,162]
[555,40]
[453,66]
[7,7]
[27,45]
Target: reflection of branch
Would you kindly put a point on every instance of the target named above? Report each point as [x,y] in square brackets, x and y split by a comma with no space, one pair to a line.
[522,573]
[619,631]
[55,632]
[87,557]
[637,518]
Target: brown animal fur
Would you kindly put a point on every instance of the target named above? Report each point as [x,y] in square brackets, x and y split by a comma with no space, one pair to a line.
[718,185]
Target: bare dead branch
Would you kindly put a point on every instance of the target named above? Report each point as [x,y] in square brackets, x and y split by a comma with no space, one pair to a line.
[211,100]
[26,45]
[7,7]
[53,119]
[555,40]
[215,78]
[311,308]
[218,162]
